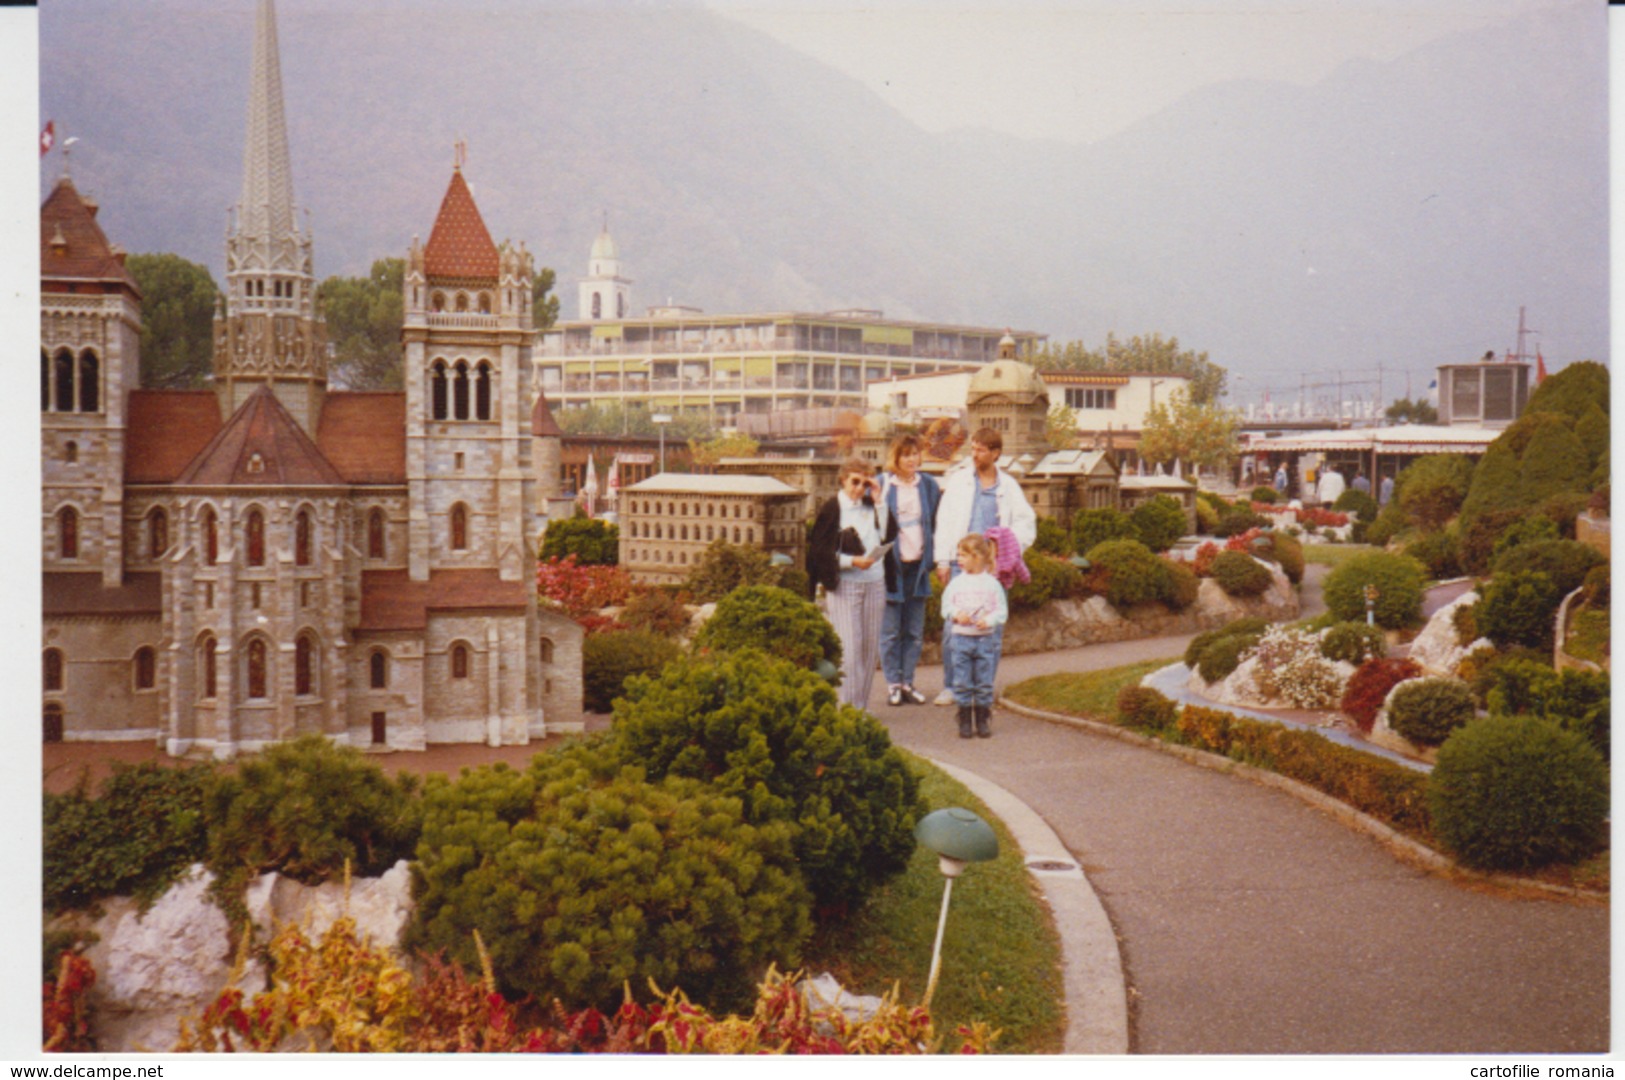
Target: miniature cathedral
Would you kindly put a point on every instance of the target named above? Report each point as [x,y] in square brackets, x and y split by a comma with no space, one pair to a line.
[231,567]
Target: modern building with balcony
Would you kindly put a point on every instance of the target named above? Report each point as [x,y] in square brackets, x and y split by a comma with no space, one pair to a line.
[678,359]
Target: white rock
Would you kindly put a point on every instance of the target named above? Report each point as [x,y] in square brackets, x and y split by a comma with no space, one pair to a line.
[1435,648]
[824,993]
[380,906]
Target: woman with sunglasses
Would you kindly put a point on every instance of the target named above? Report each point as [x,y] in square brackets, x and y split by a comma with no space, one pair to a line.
[847,530]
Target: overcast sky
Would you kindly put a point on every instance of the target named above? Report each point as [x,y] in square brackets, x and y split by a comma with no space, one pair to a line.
[1078,70]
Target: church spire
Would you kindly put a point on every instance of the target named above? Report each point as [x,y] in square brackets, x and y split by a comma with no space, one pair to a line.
[266,210]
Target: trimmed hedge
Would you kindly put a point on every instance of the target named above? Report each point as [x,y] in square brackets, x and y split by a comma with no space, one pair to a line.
[1143,707]
[591,541]
[1518,609]
[1133,574]
[1426,711]
[1399,589]
[1517,792]
[1239,574]
[1384,789]
[1566,562]
[1091,528]
[771,619]
[1052,578]
[1362,506]
[1158,522]
[608,660]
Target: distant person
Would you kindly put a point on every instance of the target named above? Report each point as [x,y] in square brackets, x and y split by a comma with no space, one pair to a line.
[974,609]
[976,497]
[1361,484]
[1331,486]
[1281,479]
[1306,486]
[848,527]
[911,498]
[1385,491]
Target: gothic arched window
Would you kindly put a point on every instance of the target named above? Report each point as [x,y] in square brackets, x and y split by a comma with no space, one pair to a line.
[437,384]
[89,382]
[459,527]
[67,533]
[459,392]
[254,533]
[482,392]
[157,533]
[146,668]
[211,537]
[206,671]
[304,665]
[485,303]
[379,664]
[64,381]
[53,669]
[375,534]
[459,661]
[258,663]
[301,539]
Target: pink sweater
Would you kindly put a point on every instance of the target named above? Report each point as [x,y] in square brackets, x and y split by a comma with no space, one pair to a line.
[1008,565]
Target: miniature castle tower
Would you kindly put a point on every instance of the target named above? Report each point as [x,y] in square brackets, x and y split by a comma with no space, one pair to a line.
[605,294]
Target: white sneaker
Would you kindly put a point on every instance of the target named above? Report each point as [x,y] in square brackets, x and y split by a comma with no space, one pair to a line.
[944,698]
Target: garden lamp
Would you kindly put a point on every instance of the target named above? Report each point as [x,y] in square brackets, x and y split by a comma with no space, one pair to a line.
[959,838]
[1371,595]
[1080,563]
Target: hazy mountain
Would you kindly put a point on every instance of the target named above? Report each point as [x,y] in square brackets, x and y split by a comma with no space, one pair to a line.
[1395,213]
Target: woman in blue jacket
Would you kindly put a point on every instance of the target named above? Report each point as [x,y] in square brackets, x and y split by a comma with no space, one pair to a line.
[911,501]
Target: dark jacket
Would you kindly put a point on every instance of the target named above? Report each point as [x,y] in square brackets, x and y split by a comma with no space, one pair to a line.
[824,549]
[917,578]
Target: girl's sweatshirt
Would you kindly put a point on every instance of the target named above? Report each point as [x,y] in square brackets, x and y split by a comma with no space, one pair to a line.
[978,595]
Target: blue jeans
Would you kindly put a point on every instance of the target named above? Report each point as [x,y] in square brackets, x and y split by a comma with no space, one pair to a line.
[902,629]
[975,662]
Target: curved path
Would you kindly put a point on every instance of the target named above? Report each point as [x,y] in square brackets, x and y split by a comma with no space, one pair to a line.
[1251,923]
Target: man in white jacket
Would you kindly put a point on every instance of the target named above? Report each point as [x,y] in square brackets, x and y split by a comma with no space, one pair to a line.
[974,499]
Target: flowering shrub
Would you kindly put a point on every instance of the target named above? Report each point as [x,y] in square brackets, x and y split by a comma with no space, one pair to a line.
[1319,517]
[580,591]
[66,1013]
[329,997]
[1369,685]
[1289,667]
[1203,562]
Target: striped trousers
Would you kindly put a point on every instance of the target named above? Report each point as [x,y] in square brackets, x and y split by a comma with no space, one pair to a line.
[856,610]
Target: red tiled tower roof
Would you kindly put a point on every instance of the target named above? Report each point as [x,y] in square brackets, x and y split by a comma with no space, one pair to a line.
[72,245]
[541,419]
[167,430]
[363,434]
[459,245]
[261,446]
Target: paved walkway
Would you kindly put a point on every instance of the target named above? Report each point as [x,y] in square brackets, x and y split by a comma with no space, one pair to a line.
[1251,923]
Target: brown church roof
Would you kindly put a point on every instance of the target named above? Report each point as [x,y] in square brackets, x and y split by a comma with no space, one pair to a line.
[80,593]
[363,434]
[261,445]
[541,419]
[73,246]
[390,600]
[167,430]
[459,246]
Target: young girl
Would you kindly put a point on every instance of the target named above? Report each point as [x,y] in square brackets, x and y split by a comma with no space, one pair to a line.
[973,604]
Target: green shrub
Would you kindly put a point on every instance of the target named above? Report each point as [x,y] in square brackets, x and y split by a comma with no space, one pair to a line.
[774,620]
[1287,553]
[1353,643]
[1053,538]
[136,839]
[1554,461]
[1051,579]
[1518,609]
[1391,521]
[1223,656]
[1561,510]
[1357,504]
[1207,518]
[1263,494]
[1465,623]
[1483,669]
[1516,793]
[1180,585]
[772,734]
[1237,521]
[1495,478]
[1426,711]
[1573,390]
[1158,522]
[1399,589]
[1143,707]
[1592,428]
[1368,687]
[1437,552]
[658,611]
[592,542]
[306,808]
[1091,528]
[1250,627]
[1239,574]
[608,660]
[583,879]
[1596,586]
[1575,700]
[1431,489]
[1476,539]
[725,567]
[1565,562]
[1133,575]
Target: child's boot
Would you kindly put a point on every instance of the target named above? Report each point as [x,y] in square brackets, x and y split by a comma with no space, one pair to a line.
[984,721]
[965,717]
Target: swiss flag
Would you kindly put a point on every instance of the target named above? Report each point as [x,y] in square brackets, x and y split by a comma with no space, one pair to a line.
[1540,368]
[47,137]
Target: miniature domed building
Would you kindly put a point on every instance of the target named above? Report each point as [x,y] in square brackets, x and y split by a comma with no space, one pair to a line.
[1010,397]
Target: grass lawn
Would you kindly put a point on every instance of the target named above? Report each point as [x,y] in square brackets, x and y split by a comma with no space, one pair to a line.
[1334,554]
[1001,960]
[1588,635]
[1088,693]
